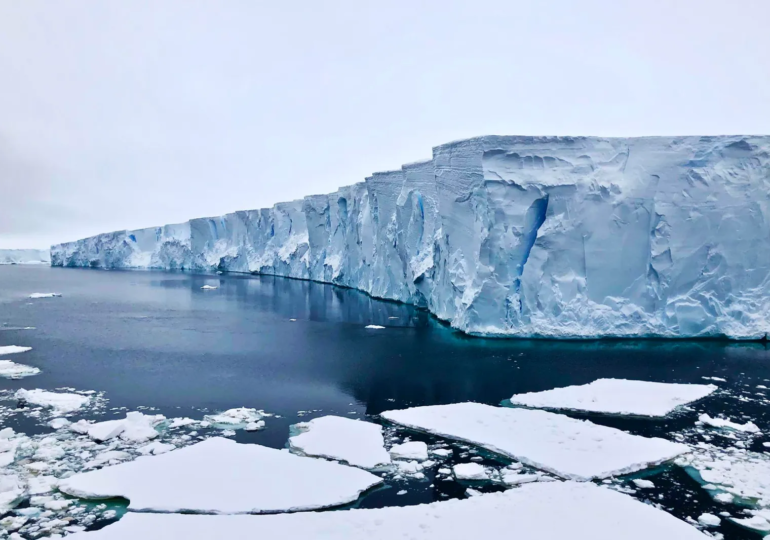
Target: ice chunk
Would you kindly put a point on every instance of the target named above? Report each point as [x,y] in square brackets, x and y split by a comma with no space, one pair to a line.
[617,396]
[514,478]
[104,431]
[352,441]
[208,288]
[748,427]
[573,449]
[44,295]
[374,327]
[181,422]
[755,523]
[643,484]
[236,418]
[110,456]
[255,426]
[441,452]
[60,402]
[12,370]
[58,423]
[135,427]
[220,476]
[539,511]
[13,349]
[709,520]
[155,448]
[470,471]
[410,450]
[12,492]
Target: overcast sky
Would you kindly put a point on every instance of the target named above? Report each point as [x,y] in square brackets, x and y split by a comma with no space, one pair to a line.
[127,114]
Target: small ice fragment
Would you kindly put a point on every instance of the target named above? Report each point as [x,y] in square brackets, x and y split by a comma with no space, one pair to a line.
[709,520]
[470,471]
[374,327]
[441,452]
[255,426]
[402,492]
[410,450]
[156,448]
[208,288]
[748,427]
[725,498]
[12,370]
[13,349]
[58,423]
[513,478]
[37,295]
[755,523]
[180,422]
[235,418]
[472,492]
[643,484]
[60,402]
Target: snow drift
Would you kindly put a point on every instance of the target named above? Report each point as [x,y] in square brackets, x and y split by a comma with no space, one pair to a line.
[515,236]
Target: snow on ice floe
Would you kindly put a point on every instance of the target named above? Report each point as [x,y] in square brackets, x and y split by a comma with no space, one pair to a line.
[12,370]
[238,418]
[617,396]
[410,450]
[726,423]
[60,402]
[569,448]
[355,442]
[13,349]
[552,511]
[44,295]
[221,476]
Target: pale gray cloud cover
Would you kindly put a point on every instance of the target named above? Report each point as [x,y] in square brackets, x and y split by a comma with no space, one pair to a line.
[132,113]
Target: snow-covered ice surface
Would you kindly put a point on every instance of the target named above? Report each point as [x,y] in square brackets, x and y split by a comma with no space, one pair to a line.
[515,236]
[59,402]
[221,476]
[12,370]
[25,256]
[617,396]
[352,441]
[410,450]
[553,511]
[726,423]
[13,349]
[572,449]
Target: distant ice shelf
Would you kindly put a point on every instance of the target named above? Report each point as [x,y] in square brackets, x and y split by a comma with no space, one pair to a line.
[25,256]
[556,237]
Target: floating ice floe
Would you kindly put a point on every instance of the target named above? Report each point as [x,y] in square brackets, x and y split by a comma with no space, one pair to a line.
[641,483]
[60,402]
[550,511]
[470,471]
[572,449]
[721,423]
[352,441]
[208,288]
[410,450]
[617,396]
[135,427]
[237,418]
[709,520]
[12,370]
[221,476]
[37,295]
[13,349]
[182,422]
[374,327]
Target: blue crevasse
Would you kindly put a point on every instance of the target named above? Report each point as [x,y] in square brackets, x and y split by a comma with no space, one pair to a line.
[516,236]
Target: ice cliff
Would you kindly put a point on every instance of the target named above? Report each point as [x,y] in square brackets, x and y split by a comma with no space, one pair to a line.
[516,236]
[24,256]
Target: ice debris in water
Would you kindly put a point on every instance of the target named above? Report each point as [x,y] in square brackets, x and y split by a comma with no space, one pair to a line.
[469,471]
[135,427]
[374,327]
[60,402]
[722,423]
[410,450]
[221,476]
[617,396]
[641,483]
[355,442]
[237,418]
[572,449]
[13,349]
[709,520]
[44,295]
[12,370]
[549,511]
[208,287]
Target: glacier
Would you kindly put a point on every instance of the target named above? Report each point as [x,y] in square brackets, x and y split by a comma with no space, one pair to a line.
[559,237]
[25,256]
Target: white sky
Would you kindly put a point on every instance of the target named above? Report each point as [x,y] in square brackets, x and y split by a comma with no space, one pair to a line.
[133,113]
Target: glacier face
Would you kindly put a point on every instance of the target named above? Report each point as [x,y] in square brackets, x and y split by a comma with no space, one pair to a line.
[25,256]
[516,236]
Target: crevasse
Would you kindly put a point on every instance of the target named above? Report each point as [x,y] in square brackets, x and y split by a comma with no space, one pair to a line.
[515,236]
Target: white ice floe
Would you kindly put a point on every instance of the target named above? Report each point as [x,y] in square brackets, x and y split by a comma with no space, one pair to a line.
[410,450]
[12,370]
[221,476]
[709,520]
[755,523]
[181,422]
[135,427]
[572,449]
[548,511]
[470,471]
[208,288]
[516,478]
[641,483]
[155,448]
[60,402]
[12,491]
[374,327]
[617,396]
[13,349]
[352,441]
[37,295]
[237,418]
[722,423]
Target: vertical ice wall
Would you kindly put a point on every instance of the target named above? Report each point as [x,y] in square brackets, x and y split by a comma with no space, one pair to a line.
[526,236]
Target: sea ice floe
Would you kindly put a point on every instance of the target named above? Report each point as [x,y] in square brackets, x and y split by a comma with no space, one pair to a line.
[617,396]
[410,450]
[13,349]
[181,422]
[722,423]
[44,295]
[709,520]
[60,402]
[208,287]
[547,511]
[641,483]
[572,449]
[237,418]
[515,478]
[155,448]
[355,442]
[374,327]
[470,471]
[221,476]
[12,370]
[135,427]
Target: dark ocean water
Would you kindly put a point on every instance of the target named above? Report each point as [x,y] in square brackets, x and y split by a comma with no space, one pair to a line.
[156,339]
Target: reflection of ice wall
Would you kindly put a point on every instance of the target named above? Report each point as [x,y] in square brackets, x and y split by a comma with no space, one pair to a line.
[525,236]
[24,256]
